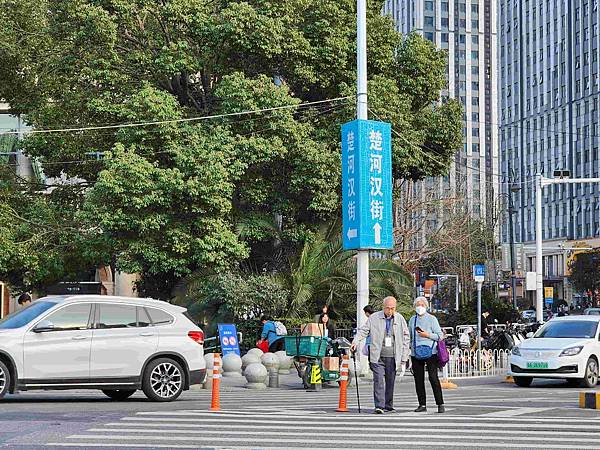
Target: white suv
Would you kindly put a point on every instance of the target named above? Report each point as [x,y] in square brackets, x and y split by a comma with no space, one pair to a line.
[115,344]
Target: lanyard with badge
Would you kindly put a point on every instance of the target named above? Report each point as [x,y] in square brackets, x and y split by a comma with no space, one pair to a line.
[387,341]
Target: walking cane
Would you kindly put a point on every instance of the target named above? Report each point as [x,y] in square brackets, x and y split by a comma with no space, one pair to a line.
[356,380]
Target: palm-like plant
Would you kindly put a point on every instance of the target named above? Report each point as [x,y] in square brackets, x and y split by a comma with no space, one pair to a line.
[324,273]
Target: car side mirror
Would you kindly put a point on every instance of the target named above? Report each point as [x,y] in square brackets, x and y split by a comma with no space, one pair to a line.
[529,335]
[43,326]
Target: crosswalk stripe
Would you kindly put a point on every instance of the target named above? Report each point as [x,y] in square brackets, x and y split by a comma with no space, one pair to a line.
[417,444]
[405,425]
[301,431]
[436,439]
[516,412]
[340,417]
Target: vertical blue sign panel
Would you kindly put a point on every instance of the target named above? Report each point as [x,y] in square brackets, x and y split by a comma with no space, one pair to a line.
[367,185]
[478,270]
[228,338]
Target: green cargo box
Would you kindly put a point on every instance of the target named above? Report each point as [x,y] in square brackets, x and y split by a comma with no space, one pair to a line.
[305,346]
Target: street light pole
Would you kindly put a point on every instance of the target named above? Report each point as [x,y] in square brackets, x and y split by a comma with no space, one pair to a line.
[362,256]
[539,280]
[540,183]
[511,230]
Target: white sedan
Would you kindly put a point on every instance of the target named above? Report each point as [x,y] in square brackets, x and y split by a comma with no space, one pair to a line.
[565,347]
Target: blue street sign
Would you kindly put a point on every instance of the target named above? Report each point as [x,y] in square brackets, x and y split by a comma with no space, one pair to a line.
[367,185]
[549,301]
[228,338]
[479,272]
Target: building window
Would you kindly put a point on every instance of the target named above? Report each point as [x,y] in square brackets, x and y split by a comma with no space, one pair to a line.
[428,21]
[445,37]
[475,39]
[429,6]
[429,36]
[444,22]
[475,8]
[445,7]
[475,24]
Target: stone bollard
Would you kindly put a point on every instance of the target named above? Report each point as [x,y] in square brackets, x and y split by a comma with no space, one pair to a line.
[249,358]
[270,361]
[232,365]
[273,378]
[256,374]
[257,351]
[285,362]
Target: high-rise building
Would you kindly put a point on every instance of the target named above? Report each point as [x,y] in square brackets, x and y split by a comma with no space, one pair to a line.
[549,121]
[466,29]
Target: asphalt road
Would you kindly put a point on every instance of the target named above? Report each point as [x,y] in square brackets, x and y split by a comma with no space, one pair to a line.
[481,413]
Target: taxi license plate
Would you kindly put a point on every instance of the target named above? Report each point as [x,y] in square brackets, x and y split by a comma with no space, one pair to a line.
[537,365]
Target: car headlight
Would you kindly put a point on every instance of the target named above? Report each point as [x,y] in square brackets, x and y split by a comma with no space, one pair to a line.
[516,351]
[571,351]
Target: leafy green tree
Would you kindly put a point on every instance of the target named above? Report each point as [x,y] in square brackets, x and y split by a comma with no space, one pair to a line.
[585,271]
[168,197]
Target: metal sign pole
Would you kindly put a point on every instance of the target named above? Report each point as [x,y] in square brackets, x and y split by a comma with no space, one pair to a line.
[362,256]
[479,284]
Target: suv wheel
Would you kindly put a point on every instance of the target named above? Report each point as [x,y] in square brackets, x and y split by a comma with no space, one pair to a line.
[4,379]
[591,374]
[163,380]
[523,381]
[119,394]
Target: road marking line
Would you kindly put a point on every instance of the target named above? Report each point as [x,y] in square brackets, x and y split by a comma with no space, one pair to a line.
[363,417]
[517,412]
[275,425]
[302,432]
[277,439]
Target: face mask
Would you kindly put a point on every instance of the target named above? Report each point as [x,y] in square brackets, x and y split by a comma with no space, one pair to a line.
[420,310]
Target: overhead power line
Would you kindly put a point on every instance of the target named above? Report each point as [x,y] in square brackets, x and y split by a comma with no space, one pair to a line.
[163,122]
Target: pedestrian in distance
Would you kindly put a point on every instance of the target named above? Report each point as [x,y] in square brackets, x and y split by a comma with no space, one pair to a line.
[274,333]
[485,327]
[425,332]
[24,300]
[368,310]
[390,350]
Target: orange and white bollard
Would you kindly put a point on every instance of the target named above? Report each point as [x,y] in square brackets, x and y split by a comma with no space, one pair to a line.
[215,403]
[343,404]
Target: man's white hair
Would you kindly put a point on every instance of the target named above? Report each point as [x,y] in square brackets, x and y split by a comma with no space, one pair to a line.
[421,299]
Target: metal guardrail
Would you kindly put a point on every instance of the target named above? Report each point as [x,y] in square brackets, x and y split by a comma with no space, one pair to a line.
[463,363]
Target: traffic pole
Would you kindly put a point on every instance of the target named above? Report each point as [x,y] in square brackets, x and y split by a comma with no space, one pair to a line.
[343,403]
[215,403]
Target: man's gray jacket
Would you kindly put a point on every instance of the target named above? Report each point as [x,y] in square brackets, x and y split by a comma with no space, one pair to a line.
[375,327]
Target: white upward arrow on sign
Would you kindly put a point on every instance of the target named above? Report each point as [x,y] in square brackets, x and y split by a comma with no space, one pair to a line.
[377,229]
[352,233]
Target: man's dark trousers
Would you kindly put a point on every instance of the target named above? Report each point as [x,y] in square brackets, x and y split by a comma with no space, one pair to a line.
[384,376]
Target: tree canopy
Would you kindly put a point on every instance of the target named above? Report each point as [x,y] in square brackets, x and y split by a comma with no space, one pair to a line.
[169,198]
[585,271]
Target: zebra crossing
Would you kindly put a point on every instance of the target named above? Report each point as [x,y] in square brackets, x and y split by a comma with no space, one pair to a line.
[284,419]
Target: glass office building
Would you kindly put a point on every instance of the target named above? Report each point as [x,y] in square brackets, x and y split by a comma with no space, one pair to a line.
[549,88]
[466,29]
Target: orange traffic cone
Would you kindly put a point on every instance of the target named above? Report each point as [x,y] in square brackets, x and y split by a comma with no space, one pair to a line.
[343,404]
[215,403]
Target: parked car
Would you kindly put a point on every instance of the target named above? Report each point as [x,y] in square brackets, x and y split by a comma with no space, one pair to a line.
[565,347]
[592,312]
[529,315]
[115,344]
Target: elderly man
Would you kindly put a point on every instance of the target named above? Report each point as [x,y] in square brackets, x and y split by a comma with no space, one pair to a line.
[390,350]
